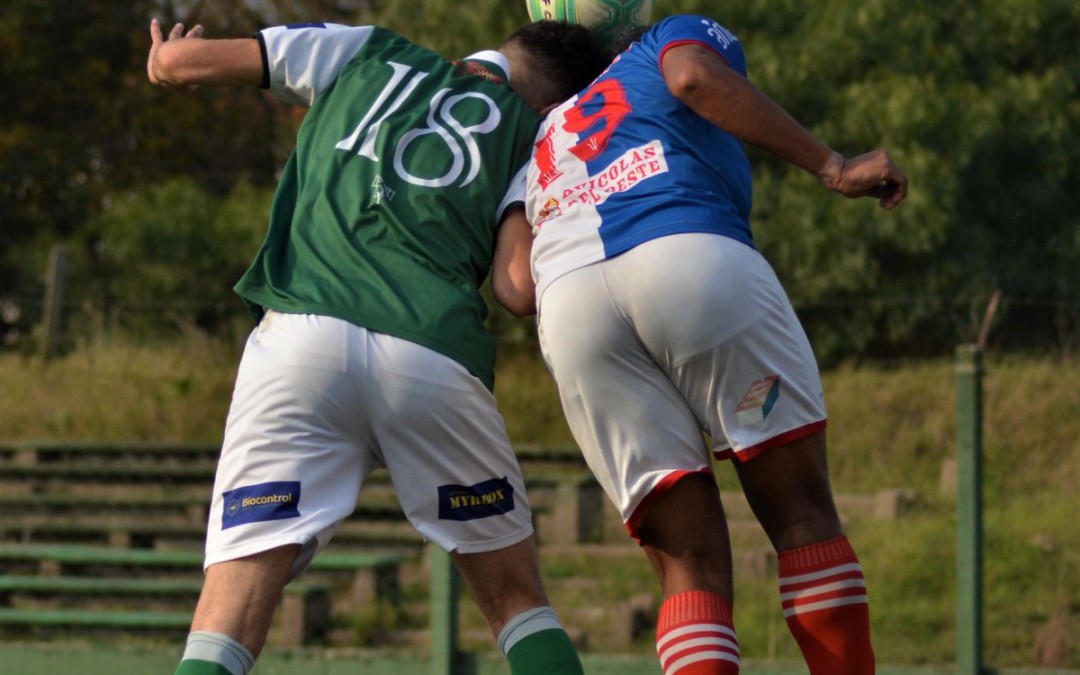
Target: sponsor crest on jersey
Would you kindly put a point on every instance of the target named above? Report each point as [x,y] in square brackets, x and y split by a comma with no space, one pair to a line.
[626,171]
[758,401]
[380,190]
[468,502]
[259,503]
[550,210]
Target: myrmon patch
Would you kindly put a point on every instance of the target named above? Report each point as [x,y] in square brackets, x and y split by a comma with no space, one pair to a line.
[467,502]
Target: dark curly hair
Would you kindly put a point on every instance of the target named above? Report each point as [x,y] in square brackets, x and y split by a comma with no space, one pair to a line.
[563,58]
[622,38]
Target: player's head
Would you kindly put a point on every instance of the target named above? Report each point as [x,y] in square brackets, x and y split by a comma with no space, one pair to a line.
[550,61]
[622,38]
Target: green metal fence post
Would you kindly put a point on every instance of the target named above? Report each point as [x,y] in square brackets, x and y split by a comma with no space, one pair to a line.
[445,583]
[969,528]
[53,311]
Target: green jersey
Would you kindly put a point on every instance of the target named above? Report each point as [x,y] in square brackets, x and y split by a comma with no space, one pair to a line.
[386,213]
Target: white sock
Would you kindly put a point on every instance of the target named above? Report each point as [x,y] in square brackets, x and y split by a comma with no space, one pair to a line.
[219,648]
[525,624]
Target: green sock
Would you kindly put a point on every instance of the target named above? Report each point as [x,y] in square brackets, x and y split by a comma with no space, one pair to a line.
[197,667]
[548,652]
[210,653]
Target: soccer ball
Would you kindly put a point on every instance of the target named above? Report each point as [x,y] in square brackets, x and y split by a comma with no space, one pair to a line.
[603,16]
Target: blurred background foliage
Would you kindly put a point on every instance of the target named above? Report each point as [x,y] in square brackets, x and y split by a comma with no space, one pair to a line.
[161,199]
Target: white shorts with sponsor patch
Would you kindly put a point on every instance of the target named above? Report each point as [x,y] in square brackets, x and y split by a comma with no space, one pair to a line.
[319,403]
[682,341]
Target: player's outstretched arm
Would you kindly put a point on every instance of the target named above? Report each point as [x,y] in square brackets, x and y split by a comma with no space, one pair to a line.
[703,81]
[182,62]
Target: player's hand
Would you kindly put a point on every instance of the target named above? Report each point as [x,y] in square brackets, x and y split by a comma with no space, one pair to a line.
[157,39]
[872,175]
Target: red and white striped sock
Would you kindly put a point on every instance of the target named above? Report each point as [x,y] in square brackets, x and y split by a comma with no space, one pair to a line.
[695,635]
[823,594]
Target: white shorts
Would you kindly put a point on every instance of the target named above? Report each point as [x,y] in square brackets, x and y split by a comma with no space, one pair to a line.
[682,343]
[319,403]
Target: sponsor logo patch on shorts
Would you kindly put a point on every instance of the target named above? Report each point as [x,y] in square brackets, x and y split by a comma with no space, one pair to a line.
[259,503]
[468,502]
[758,401]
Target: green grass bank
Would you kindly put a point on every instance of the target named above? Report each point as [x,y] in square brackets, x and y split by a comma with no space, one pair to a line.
[891,427]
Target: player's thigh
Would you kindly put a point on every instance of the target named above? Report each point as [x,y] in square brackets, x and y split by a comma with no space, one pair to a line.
[686,521]
[445,445]
[788,488]
[293,456]
[636,432]
[684,533]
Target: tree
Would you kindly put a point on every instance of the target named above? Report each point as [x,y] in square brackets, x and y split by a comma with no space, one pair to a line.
[978,103]
[81,124]
[168,256]
[448,27]
[976,100]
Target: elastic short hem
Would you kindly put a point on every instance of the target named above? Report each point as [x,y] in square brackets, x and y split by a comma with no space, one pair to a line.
[231,553]
[486,546]
[752,451]
[662,486]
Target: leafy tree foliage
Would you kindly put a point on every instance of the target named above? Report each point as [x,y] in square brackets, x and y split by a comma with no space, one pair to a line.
[81,125]
[976,100]
[169,255]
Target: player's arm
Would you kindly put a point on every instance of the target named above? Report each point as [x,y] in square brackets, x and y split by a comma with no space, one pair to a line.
[701,79]
[181,62]
[511,275]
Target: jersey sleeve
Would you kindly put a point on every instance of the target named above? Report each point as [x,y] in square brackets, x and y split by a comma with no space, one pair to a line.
[515,192]
[303,60]
[690,28]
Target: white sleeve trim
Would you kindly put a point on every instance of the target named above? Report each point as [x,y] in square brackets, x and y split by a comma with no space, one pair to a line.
[303,61]
[515,192]
[491,56]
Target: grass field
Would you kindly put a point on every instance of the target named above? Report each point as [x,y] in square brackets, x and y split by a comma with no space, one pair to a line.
[36,661]
[890,427]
